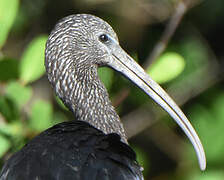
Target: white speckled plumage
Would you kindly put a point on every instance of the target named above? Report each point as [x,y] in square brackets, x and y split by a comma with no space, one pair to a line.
[72,59]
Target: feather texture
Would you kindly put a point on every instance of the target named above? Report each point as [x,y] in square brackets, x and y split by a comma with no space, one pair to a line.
[73,150]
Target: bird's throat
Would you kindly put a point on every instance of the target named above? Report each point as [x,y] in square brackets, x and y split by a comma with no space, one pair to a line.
[89,101]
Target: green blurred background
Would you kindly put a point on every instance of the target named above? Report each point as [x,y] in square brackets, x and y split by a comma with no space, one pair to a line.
[190,69]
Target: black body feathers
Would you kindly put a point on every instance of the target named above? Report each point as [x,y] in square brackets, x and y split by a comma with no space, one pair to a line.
[73,151]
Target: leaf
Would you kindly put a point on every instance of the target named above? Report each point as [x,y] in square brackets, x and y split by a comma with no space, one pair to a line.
[208,121]
[106,76]
[32,63]
[12,129]
[41,115]
[12,69]
[8,109]
[60,103]
[59,117]
[217,107]
[142,159]
[8,11]
[19,94]
[167,67]
[207,175]
[4,145]
[196,54]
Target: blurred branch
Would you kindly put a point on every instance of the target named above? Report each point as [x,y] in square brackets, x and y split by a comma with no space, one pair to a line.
[172,25]
[164,138]
[162,44]
[139,120]
[178,14]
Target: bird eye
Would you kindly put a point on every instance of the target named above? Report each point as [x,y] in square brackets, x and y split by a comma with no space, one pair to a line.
[103,38]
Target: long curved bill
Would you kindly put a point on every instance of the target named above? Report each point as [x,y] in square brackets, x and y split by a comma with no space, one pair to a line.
[124,64]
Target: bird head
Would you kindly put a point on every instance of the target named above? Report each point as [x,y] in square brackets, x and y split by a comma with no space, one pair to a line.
[86,41]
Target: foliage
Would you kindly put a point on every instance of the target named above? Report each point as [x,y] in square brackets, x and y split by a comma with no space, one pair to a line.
[8,11]
[16,76]
[167,67]
[32,63]
[210,117]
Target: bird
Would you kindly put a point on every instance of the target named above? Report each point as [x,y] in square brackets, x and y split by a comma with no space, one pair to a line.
[94,145]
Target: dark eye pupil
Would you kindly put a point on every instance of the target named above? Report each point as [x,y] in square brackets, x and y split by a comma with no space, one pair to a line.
[103,38]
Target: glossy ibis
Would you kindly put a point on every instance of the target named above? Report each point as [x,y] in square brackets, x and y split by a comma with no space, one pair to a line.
[94,145]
